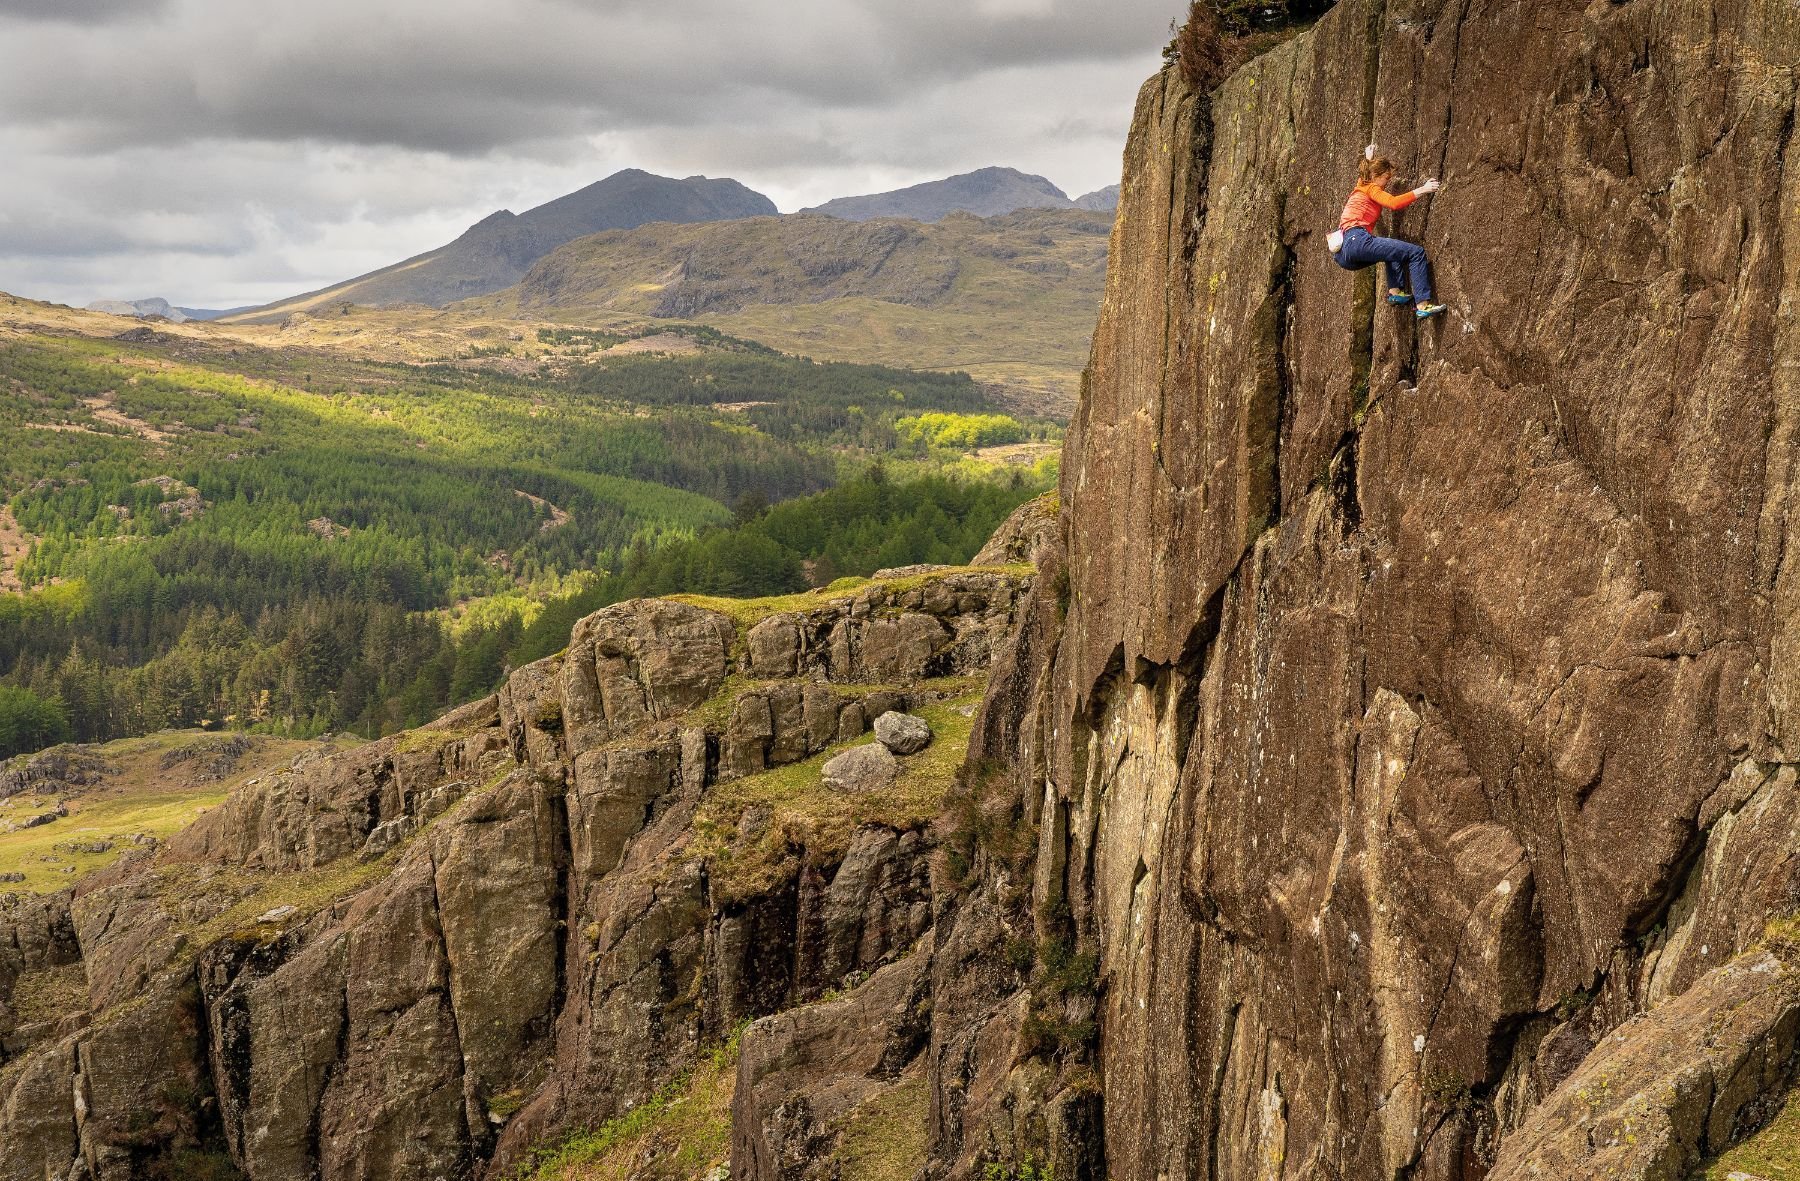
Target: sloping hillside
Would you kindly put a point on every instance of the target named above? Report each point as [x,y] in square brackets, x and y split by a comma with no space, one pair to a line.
[1010,299]
[498,249]
[428,956]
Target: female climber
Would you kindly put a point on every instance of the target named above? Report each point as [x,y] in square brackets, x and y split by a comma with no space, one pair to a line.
[1355,246]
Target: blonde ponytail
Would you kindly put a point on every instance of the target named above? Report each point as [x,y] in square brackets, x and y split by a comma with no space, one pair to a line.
[1371,168]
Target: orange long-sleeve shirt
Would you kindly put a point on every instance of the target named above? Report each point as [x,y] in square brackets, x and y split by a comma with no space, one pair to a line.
[1366,203]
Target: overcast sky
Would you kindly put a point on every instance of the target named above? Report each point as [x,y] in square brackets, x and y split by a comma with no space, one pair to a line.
[223,152]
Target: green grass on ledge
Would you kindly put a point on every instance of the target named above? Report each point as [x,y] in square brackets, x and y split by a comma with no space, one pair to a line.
[680,1133]
[803,813]
[1773,1154]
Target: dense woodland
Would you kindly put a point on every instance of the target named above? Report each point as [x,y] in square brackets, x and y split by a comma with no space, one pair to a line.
[274,540]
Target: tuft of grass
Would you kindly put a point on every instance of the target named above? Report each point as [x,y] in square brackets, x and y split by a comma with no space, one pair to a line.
[681,1132]
[428,738]
[803,813]
[308,891]
[50,994]
[1774,1152]
[886,1138]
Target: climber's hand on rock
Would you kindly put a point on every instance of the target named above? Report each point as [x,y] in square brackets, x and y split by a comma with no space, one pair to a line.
[1429,187]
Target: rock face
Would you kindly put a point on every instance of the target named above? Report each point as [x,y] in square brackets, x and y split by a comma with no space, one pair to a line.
[803,1071]
[418,958]
[1024,535]
[1411,706]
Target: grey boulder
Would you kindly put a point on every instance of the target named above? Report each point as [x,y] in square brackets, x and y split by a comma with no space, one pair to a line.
[861,769]
[901,733]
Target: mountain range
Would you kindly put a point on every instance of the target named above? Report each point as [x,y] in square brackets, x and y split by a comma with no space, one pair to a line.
[499,250]
[984,192]
[496,251]
[158,307]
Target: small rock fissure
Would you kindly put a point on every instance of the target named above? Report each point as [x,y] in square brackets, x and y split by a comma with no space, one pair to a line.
[1282,411]
[209,1118]
[562,841]
[1221,1065]
[315,1125]
[449,993]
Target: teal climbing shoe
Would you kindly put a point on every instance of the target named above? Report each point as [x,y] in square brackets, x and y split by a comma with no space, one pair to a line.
[1427,310]
[1399,297]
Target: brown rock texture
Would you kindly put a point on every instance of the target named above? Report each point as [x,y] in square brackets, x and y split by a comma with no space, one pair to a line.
[421,957]
[1411,706]
[803,1072]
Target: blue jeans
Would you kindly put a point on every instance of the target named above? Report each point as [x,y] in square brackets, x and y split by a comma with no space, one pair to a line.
[1363,249]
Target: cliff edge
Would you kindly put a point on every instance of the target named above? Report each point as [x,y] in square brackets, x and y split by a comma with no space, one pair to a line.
[1404,727]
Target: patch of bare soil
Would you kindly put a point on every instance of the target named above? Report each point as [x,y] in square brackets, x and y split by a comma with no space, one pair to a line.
[662,342]
[558,517]
[1043,400]
[1017,454]
[106,410]
[15,543]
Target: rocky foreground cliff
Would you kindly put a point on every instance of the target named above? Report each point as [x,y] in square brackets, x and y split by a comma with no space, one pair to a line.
[1385,775]
[1407,730]
[430,955]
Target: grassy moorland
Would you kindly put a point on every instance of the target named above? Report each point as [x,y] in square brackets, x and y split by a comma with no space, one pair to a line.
[137,788]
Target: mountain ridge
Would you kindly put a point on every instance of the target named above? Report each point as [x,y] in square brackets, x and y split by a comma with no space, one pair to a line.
[157,306]
[985,192]
[497,250]
[1009,298]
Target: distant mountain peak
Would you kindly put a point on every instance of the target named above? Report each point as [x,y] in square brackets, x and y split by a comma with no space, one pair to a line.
[138,307]
[1100,200]
[496,251]
[985,192]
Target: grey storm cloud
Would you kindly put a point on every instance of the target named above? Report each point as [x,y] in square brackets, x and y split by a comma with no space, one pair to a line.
[457,76]
[309,133]
[79,11]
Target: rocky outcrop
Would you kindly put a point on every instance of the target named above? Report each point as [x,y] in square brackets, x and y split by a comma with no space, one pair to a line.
[420,957]
[1415,709]
[804,1074]
[59,770]
[1672,1086]
[1024,535]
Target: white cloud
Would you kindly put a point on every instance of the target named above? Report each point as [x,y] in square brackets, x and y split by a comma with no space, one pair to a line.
[220,152]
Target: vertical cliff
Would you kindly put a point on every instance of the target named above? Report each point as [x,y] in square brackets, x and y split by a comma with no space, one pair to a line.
[1408,712]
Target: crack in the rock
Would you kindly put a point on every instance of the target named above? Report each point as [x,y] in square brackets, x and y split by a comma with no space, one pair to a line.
[449,1000]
